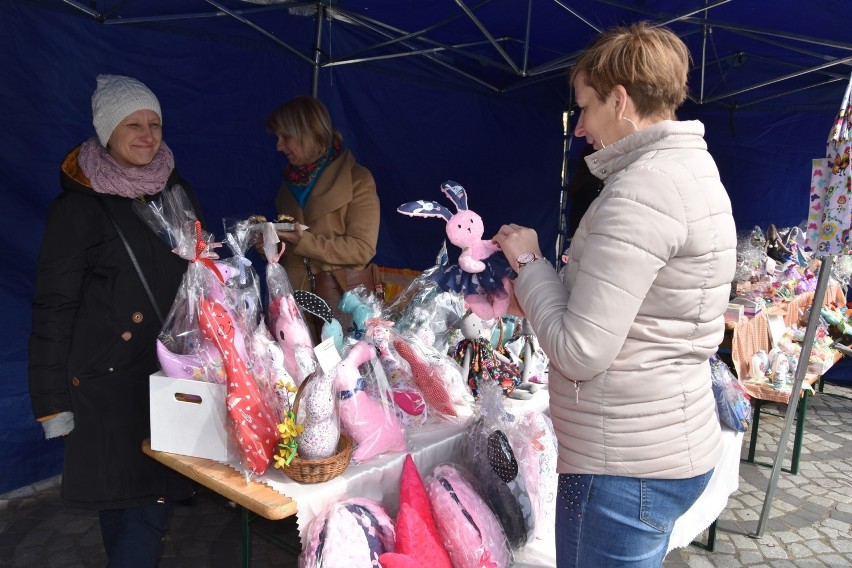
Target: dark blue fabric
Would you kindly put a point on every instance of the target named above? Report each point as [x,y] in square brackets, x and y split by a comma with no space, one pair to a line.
[413,121]
[133,537]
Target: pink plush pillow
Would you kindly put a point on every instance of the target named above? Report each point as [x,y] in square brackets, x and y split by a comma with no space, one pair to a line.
[354,532]
[469,530]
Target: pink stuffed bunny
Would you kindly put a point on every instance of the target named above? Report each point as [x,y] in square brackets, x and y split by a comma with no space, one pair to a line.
[479,275]
[374,429]
[291,332]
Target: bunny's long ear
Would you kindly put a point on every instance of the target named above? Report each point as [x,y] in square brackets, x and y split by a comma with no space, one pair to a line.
[456,192]
[312,303]
[421,208]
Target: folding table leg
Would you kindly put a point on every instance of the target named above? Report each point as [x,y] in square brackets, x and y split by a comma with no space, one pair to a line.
[755,424]
[246,537]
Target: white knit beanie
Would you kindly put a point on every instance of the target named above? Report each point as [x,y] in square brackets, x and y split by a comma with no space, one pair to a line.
[116,97]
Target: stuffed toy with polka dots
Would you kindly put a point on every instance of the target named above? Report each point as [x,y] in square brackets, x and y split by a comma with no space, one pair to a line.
[253,425]
[480,275]
[319,418]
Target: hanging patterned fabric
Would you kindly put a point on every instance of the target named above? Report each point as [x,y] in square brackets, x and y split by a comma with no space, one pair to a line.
[830,216]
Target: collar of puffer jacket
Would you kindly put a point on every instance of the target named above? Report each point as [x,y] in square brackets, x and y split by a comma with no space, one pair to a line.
[664,135]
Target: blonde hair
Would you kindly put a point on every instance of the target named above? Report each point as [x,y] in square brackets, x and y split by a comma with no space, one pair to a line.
[306,119]
[651,63]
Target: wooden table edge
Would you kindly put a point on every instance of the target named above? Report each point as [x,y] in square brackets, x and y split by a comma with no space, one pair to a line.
[226,481]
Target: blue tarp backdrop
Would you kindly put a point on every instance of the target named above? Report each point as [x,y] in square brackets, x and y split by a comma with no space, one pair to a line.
[484,109]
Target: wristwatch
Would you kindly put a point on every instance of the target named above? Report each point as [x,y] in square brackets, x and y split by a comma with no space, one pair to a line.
[526,258]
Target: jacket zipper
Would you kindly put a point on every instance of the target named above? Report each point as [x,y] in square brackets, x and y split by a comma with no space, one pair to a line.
[576,392]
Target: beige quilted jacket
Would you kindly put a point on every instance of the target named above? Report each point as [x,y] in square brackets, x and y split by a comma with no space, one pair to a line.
[638,310]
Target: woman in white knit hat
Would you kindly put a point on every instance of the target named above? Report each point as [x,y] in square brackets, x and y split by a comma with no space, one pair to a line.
[94,323]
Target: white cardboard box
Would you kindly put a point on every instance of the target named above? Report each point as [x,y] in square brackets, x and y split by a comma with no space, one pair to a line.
[189,418]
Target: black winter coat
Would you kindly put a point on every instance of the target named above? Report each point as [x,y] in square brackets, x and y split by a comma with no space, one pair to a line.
[92,347]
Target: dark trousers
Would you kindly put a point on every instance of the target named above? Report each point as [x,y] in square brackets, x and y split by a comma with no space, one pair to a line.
[133,538]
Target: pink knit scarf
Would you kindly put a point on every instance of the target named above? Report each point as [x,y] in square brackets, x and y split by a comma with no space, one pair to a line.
[108,177]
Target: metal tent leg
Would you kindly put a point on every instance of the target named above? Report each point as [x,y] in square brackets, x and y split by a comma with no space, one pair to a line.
[807,345]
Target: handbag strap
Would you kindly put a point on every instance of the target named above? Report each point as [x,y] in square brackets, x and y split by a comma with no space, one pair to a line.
[134,261]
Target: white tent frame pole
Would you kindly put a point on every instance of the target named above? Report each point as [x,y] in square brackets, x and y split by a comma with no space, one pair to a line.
[795,393]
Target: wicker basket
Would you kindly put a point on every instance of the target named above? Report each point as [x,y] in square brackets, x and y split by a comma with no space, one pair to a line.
[317,471]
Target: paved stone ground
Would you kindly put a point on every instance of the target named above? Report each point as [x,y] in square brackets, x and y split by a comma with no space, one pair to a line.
[809,525]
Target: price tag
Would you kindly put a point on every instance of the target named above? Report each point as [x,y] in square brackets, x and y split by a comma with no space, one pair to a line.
[327,355]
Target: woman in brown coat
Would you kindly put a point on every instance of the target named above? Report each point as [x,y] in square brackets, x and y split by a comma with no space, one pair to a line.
[332,200]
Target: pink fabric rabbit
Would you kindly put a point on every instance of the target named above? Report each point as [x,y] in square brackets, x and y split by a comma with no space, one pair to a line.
[479,276]
[374,428]
[291,332]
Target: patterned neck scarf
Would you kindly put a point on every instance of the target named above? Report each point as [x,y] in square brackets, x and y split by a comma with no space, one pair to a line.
[301,179]
[108,177]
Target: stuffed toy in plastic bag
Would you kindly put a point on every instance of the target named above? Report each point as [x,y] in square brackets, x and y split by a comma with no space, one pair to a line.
[501,477]
[318,416]
[732,403]
[406,396]
[438,378]
[469,530]
[285,317]
[373,425]
[480,275]
[350,533]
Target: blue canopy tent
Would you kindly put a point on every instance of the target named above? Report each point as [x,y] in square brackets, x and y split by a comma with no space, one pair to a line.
[423,91]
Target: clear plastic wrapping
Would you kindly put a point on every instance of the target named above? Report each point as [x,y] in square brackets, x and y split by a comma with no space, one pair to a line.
[365,411]
[286,320]
[468,528]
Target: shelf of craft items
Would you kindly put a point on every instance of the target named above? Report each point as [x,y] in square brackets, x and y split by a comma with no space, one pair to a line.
[749,335]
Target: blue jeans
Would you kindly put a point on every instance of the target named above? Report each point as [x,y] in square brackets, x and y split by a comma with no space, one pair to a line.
[133,538]
[608,521]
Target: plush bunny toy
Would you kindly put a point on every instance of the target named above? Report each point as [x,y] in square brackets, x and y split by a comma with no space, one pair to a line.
[374,429]
[480,275]
[480,362]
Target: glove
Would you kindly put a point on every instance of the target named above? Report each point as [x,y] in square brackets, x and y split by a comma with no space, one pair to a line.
[59,425]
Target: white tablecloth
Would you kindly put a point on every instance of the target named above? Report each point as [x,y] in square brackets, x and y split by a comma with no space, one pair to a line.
[725,480]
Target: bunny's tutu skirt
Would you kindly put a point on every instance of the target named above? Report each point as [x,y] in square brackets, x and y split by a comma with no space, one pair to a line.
[454,279]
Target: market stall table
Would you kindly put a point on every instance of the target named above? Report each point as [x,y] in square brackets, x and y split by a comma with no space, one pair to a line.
[274,496]
[763,391]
